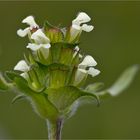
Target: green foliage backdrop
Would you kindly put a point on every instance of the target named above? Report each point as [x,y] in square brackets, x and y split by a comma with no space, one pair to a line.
[114,43]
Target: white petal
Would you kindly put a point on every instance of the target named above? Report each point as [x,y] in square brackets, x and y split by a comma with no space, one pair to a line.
[24,75]
[75,30]
[81,18]
[88,61]
[22,66]
[39,37]
[80,75]
[87,28]
[23,33]
[93,72]
[30,21]
[33,46]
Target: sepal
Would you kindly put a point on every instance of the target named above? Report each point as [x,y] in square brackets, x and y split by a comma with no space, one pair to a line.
[17,98]
[3,83]
[53,33]
[64,97]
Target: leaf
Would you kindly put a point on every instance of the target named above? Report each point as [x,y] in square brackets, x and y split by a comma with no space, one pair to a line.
[39,101]
[11,75]
[65,96]
[94,87]
[122,83]
[18,97]
[3,83]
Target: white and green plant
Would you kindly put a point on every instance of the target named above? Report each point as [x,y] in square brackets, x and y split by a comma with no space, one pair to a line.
[52,76]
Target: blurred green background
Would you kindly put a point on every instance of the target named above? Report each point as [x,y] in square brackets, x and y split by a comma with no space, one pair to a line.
[114,43]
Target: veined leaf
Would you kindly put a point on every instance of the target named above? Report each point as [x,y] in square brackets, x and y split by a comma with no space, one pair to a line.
[94,87]
[11,75]
[122,83]
[3,83]
[39,101]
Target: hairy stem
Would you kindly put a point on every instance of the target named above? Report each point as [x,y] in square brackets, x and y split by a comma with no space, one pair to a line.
[54,129]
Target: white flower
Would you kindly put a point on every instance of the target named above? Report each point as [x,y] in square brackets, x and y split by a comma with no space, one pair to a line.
[93,72]
[22,66]
[40,39]
[77,28]
[80,75]
[88,62]
[85,68]
[32,24]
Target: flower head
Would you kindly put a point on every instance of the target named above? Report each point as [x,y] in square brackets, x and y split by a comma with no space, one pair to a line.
[86,68]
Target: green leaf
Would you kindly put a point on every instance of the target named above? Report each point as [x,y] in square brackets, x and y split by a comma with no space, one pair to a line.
[65,96]
[94,87]
[3,83]
[18,97]
[11,75]
[122,83]
[39,101]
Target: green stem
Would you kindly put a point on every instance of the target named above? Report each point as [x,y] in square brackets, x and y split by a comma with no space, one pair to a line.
[54,129]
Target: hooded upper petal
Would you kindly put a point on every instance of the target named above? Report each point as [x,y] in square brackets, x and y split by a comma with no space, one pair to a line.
[81,18]
[88,62]
[30,21]
[22,66]
[39,37]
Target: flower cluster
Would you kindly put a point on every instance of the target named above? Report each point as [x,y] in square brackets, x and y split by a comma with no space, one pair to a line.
[50,45]
[52,74]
